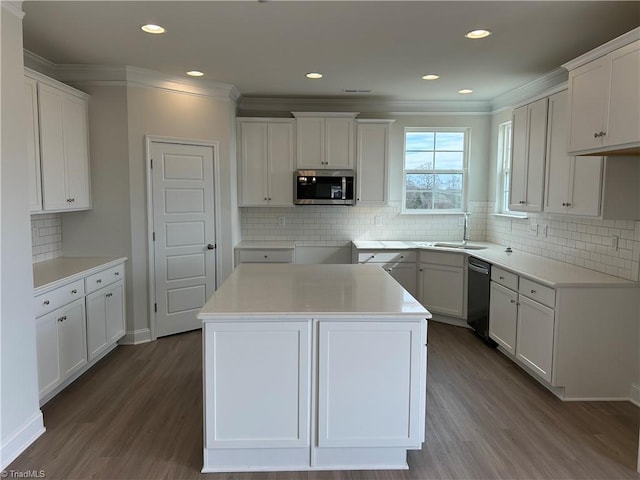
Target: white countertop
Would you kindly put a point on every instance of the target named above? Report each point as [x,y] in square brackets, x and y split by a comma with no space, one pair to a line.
[541,269]
[52,273]
[265,245]
[259,289]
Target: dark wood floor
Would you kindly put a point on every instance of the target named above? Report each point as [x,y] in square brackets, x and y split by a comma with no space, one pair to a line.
[138,415]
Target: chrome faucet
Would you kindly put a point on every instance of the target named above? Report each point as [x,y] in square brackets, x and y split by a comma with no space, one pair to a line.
[465,233]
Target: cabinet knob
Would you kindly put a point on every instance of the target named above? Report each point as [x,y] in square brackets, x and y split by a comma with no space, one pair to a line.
[533,291]
[62,319]
[501,277]
[568,204]
[266,256]
[99,280]
[595,135]
[73,199]
[46,302]
[269,198]
[513,301]
[265,198]
[522,202]
[401,256]
[74,291]
[117,274]
[109,295]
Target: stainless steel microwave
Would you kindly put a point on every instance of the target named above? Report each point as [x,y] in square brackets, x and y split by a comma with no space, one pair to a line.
[324,187]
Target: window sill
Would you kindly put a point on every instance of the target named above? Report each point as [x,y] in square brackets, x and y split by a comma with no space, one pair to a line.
[422,212]
[511,215]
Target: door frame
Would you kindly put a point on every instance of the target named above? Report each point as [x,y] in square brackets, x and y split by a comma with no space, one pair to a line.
[215,146]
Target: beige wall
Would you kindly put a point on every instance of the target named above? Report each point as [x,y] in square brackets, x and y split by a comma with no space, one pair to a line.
[164,113]
[20,417]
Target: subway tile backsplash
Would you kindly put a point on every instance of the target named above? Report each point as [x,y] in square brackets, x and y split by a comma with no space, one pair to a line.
[336,226]
[578,241]
[46,237]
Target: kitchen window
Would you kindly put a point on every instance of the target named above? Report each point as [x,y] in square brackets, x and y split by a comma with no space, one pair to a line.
[435,170]
[504,167]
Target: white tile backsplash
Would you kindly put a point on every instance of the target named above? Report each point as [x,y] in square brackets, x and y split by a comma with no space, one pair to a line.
[46,237]
[336,226]
[585,242]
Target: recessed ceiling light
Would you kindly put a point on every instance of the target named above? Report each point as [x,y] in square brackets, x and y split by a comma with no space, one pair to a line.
[465,91]
[151,28]
[195,73]
[314,75]
[480,33]
[430,77]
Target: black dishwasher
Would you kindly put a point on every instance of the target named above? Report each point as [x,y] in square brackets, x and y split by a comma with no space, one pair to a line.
[478,288]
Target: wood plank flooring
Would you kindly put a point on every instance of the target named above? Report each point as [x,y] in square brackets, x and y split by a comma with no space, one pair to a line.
[138,415]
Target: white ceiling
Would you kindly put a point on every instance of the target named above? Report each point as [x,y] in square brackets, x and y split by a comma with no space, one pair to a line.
[265,48]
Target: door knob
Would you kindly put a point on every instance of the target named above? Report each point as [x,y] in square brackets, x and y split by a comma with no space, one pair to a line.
[211,246]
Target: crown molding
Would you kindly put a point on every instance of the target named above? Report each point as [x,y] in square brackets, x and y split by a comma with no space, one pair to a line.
[368,105]
[39,64]
[548,84]
[128,76]
[602,50]
[13,7]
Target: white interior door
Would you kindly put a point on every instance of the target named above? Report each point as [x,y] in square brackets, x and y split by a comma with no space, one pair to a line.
[184,230]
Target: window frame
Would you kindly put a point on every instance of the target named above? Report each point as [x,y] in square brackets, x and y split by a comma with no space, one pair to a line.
[464,171]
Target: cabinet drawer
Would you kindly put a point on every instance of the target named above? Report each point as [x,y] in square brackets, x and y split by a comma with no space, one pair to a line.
[537,292]
[504,278]
[442,258]
[265,256]
[48,302]
[103,278]
[387,257]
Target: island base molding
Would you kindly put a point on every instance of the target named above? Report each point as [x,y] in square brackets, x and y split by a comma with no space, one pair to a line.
[301,459]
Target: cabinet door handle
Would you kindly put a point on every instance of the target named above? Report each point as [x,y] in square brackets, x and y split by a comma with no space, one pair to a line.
[568,204]
[46,302]
[513,301]
[74,291]
[109,295]
[522,202]
[266,256]
[62,319]
[401,256]
[501,277]
[533,291]
[99,280]
[117,274]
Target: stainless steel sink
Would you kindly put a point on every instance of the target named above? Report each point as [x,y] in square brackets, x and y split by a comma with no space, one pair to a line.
[452,245]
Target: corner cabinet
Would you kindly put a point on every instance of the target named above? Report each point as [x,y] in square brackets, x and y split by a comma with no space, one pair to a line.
[604,98]
[442,282]
[528,157]
[372,183]
[266,162]
[325,140]
[62,144]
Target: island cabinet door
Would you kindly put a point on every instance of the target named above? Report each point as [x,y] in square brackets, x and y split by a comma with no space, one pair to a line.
[256,380]
[369,384]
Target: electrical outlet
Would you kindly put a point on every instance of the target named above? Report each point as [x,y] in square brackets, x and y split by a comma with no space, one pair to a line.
[614,242]
[533,229]
[377,221]
[282,221]
[545,230]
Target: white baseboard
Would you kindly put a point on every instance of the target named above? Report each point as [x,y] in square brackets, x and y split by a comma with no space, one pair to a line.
[136,337]
[635,395]
[21,439]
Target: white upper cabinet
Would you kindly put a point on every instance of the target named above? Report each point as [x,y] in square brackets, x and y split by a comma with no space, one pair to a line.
[32,131]
[573,185]
[266,162]
[63,126]
[325,140]
[372,183]
[528,157]
[604,98]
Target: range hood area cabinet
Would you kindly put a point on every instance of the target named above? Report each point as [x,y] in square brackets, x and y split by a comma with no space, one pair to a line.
[266,152]
[57,145]
[604,98]
[325,140]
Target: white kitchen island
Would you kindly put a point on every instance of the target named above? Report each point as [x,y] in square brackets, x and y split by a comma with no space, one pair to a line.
[312,367]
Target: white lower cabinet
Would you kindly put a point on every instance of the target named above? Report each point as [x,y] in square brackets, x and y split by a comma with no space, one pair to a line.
[362,395]
[61,345]
[534,345]
[105,318]
[503,312]
[304,394]
[441,283]
[77,324]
